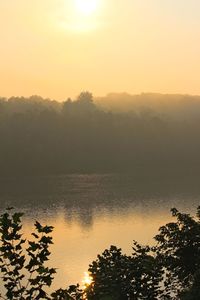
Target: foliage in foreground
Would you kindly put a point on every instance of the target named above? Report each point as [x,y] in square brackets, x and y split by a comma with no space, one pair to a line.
[169,270]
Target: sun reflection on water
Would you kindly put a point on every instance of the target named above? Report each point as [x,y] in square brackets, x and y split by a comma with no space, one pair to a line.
[87,280]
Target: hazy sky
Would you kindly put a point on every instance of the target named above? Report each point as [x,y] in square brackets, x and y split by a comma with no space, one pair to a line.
[56,48]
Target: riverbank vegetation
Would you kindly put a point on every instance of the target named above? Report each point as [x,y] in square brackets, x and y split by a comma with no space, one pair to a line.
[167,270]
[153,135]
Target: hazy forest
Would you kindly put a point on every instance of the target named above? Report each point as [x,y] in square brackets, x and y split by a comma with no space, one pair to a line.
[144,133]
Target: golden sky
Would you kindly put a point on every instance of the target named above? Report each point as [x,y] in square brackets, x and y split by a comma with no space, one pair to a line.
[57,48]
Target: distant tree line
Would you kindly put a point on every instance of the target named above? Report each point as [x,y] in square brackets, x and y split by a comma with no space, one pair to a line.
[40,136]
[168,270]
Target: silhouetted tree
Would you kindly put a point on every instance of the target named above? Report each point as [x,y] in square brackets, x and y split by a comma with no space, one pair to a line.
[117,276]
[179,251]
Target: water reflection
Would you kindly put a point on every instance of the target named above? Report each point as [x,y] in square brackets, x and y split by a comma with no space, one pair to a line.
[81,197]
[87,280]
[91,212]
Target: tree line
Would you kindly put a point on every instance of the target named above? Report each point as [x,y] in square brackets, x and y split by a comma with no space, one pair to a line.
[40,136]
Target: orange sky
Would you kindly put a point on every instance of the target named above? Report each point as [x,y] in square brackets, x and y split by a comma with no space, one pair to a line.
[51,48]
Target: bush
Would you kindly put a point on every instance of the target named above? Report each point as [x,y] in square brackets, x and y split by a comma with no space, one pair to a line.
[174,261]
[179,252]
[117,276]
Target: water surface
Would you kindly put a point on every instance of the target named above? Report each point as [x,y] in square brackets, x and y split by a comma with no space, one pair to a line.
[92,212]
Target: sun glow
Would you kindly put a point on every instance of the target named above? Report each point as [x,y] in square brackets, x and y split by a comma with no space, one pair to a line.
[82,16]
[86,7]
[87,280]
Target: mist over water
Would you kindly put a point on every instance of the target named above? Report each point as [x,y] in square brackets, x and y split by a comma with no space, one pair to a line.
[101,171]
[101,166]
[92,211]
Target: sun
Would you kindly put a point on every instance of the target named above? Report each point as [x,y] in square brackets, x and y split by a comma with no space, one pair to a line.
[86,7]
[82,16]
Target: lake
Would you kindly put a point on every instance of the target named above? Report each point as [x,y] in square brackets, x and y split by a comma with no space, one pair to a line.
[90,212]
